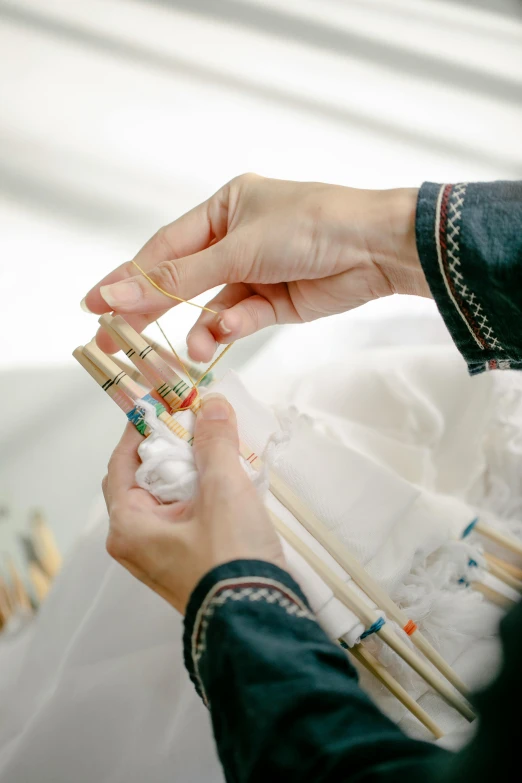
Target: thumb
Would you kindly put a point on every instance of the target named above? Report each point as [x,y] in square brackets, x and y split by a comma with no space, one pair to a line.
[179,278]
[216,446]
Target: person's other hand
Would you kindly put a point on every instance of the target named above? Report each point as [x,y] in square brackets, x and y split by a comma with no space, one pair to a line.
[287,252]
[171,547]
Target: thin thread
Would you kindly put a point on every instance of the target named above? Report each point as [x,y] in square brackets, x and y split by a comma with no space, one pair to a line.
[410,627]
[185,370]
[201,307]
[171,296]
[209,369]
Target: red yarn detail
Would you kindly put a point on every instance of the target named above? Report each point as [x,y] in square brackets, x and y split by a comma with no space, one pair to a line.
[189,399]
[410,627]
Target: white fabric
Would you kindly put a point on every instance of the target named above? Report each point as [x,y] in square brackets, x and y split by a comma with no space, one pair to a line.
[96,689]
[388,530]
[168,471]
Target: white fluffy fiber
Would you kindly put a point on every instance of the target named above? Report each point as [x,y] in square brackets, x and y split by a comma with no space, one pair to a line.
[168,470]
[397,489]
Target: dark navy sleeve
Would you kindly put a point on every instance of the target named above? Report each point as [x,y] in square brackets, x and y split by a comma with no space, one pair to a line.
[469,239]
[284,700]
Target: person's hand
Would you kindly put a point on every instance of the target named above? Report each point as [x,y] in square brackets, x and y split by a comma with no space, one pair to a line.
[288,252]
[171,547]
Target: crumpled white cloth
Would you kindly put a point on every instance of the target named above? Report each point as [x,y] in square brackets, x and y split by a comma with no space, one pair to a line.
[96,688]
[384,529]
[168,471]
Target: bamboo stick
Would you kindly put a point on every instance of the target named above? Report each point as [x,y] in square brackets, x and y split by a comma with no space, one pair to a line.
[509,567]
[131,371]
[122,400]
[132,390]
[508,542]
[40,582]
[509,580]
[382,674]
[369,616]
[492,595]
[194,369]
[173,389]
[118,377]
[6,609]
[360,576]
[20,597]
[45,546]
[301,512]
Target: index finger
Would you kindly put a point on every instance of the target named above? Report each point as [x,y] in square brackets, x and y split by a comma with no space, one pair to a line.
[192,232]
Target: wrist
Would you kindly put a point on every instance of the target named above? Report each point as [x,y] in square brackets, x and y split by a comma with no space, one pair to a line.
[395,248]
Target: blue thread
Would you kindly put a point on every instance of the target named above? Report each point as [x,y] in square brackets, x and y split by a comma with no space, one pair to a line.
[343,644]
[470,527]
[377,625]
[463,581]
[472,563]
[137,415]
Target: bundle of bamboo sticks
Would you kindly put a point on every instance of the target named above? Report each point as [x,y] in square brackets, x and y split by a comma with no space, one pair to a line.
[19,595]
[152,379]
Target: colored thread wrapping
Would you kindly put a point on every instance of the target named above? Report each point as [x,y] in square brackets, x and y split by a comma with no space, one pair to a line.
[410,627]
[376,626]
[137,415]
[470,527]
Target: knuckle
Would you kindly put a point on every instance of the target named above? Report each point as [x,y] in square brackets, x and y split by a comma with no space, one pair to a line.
[116,545]
[111,462]
[237,266]
[168,276]
[252,314]
[120,544]
[245,179]
[160,242]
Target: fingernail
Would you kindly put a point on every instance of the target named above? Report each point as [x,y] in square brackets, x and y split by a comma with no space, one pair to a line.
[121,294]
[214,407]
[83,305]
[222,327]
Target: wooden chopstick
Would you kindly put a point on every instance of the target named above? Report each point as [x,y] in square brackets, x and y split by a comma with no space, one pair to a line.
[506,541]
[381,673]
[509,567]
[306,518]
[369,616]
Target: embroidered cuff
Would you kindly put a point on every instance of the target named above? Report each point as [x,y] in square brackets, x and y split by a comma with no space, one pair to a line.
[239,584]
[465,253]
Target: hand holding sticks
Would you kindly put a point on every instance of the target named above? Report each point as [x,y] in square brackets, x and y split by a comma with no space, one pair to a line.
[177,393]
